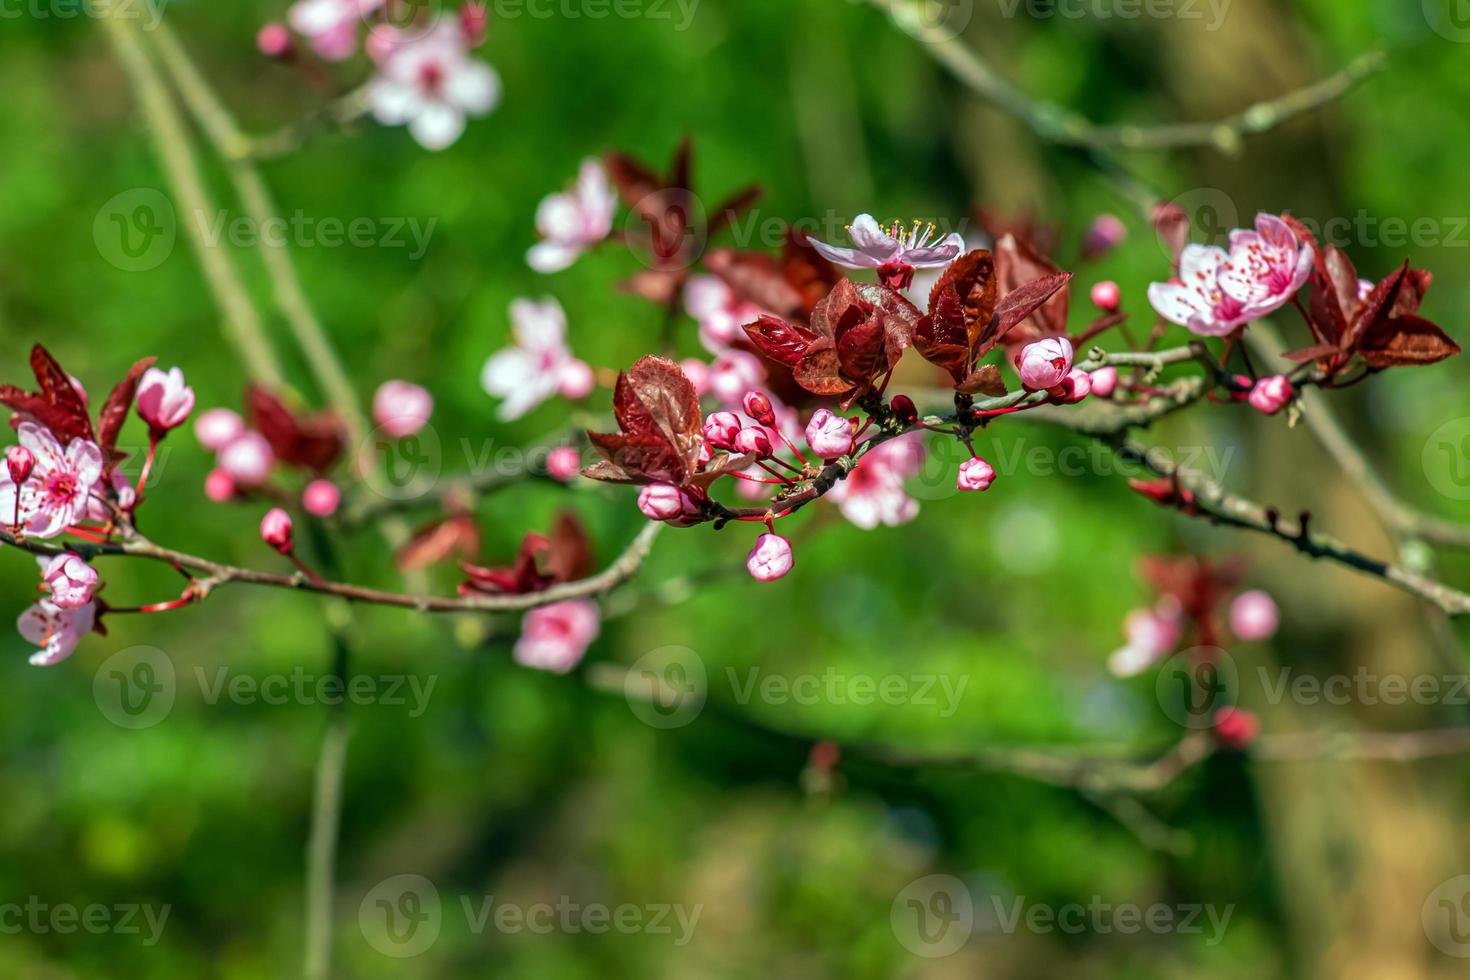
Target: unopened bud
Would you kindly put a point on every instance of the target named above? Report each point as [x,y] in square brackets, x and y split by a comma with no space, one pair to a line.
[20,461]
[904,409]
[276,529]
[758,407]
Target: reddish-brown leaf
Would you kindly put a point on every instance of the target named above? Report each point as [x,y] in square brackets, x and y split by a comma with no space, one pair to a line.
[1017,265]
[115,409]
[985,380]
[1025,300]
[820,373]
[648,457]
[782,342]
[967,288]
[861,350]
[756,278]
[1375,305]
[457,535]
[1406,340]
[313,442]
[569,556]
[727,211]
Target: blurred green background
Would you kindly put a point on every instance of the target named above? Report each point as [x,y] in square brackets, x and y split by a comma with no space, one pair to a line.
[534,788]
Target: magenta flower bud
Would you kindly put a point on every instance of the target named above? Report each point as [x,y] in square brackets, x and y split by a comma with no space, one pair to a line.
[753,439]
[666,502]
[275,530]
[1105,233]
[563,464]
[401,408]
[758,407]
[1104,381]
[1253,616]
[20,461]
[219,486]
[321,498]
[904,409]
[721,428]
[1271,395]
[1076,386]
[829,434]
[976,474]
[164,401]
[1236,728]
[217,428]
[1106,296]
[473,18]
[71,581]
[273,40]
[1045,363]
[770,559]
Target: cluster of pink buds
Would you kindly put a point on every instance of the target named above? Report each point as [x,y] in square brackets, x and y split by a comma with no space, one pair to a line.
[1270,395]
[668,503]
[1046,365]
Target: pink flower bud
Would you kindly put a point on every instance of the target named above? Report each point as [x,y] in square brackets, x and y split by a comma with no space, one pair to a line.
[382,41]
[753,439]
[1236,728]
[1106,296]
[563,463]
[1076,386]
[1045,363]
[1105,233]
[721,428]
[1253,616]
[275,530]
[829,434]
[904,409]
[401,408]
[976,474]
[770,559]
[1271,395]
[666,502]
[577,380]
[219,486]
[758,407]
[20,461]
[217,428]
[164,401]
[321,498]
[1104,381]
[273,40]
[71,581]
[247,459]
[472,20]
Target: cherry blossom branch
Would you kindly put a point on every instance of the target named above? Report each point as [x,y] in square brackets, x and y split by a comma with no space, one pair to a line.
[241,323]
[217,574]
[1062,126]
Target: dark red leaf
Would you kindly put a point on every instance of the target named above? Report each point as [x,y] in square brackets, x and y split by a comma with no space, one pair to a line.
[313,442]
[984,380]
[861,350]
[1021,302]
[438,541]
[1406,340]
[569,556]
[782,342]
[115,409]
[820,373]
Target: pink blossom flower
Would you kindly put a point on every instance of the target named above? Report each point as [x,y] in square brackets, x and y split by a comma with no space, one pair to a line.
[1045,363]
[733,373]
[55,630]
[876,246]
[563,463]
[321,498]
[572,221]
[273,40]
[276,530]
[219,486]
[975,474]
[873,492]
[329,25]
[247,459]
[401,408]
[1106,296]
[1194,298]
[217,428]
[122,489]
[539,365]
[1151,634]
[556,637]
[1271,395]
[70,579]
[55,495]
[1104,381]
[721,428]
[770,559]
[720,312]
[164,400]
[1253,616]
[829,434]
[666,502]
[431,83]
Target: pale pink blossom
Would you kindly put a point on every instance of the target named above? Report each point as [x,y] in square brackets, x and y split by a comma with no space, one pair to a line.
[829,434]
[770,559]
[875,246]
[70,579]
[1151,634]
[539,365]
[329,25]
[1045,363]
[402,408]
[1194,298]
[719,311]
[556,637]
[873,493]
[247,459]
[217,428]
[1104,381]
[55,494]
[563,463]
[273,40]
[733,373]
[219,486]
[1106,296]
[574,220]
[164,400]
[1271,395]
[1253,616]
[431,83]
[975,474]
[321,498]
[276,530]
[55,630]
